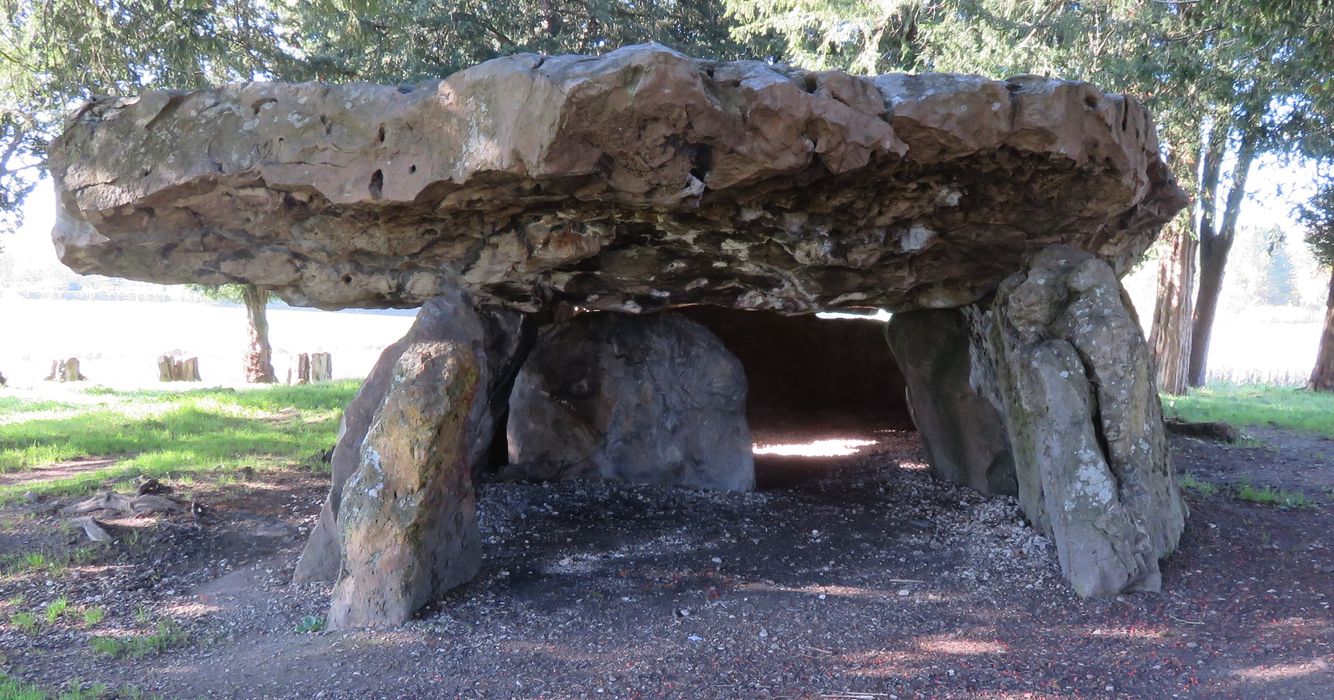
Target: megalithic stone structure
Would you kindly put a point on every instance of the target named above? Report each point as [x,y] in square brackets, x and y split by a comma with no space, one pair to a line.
[644,180]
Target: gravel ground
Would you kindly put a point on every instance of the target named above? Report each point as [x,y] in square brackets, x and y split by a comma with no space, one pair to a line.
[848,577]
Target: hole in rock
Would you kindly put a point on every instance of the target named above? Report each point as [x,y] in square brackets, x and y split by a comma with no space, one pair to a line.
[822,392]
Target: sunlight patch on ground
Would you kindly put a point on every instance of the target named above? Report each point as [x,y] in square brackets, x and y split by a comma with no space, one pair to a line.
[191,609]
[832,447]
[1275,672]
[1128,633]
[960,646]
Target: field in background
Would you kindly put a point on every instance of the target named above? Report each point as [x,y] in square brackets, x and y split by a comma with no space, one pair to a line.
[1252,343]
[118,342]
[80,439]
[1257,405]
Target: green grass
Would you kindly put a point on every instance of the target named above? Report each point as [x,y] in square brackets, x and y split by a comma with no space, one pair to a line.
[92,616]
[54,564]
[11,689]
[26,622]
[1268,495]
[56,608]
[12,406]
[1190,481]
[213,432]
[168,634]
[1250,404]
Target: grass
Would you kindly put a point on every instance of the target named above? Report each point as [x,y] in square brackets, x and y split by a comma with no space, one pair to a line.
[26,622]
[168,634]
[12,405]
[11,689]
[1251,404]
[214,432]
[55,609]
[1190,481]
[92,616]
[53,564]
[1268,495]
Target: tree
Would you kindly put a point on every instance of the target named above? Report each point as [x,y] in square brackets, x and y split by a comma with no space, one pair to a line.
[388,41]
[1227,80]
[55,53]
[259,352]
[1318,217]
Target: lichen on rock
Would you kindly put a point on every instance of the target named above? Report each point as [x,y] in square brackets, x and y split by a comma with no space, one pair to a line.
[632,181]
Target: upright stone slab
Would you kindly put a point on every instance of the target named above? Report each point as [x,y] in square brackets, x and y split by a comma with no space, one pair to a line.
[494,335]
[1085,422]
[962,430]
[408,518]
[650,399]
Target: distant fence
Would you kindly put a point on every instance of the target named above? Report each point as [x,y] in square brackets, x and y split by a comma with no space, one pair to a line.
[1275,377]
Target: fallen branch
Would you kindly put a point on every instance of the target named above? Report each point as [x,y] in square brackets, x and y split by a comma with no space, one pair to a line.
[108,500]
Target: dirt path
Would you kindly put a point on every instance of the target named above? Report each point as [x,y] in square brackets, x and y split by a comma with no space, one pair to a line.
[1274,457]
[867,580]
[59,470]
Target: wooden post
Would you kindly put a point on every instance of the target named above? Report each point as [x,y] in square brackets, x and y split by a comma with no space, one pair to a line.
[314,367]
[303,368]
[172,369]
[69,371]
[321,367]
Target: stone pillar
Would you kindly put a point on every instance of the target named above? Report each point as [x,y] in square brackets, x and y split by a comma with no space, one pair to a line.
[1085,422]
[497,337]
[962,430]
[651,399]
[408,517]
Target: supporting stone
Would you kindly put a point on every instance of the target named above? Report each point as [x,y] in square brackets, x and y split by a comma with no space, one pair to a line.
[650,399]
[497,335]
[1085,422]
[408,517]
[962,430]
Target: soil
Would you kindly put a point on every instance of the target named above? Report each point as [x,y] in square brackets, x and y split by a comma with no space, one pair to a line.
[852,576]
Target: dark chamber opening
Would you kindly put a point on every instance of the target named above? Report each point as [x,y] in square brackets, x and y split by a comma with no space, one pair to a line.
[821,391]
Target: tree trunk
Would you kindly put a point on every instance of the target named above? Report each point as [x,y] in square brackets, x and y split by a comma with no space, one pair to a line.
[1214,248]
[1322,377]
[1170,338]
[259,357]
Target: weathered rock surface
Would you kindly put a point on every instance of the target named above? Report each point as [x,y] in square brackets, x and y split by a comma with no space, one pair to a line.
[493,335]
[408,517]
[650,399]
[1085,422]
[963,432]
[632,181]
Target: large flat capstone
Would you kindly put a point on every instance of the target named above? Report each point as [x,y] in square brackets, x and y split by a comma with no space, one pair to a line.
[633,181]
